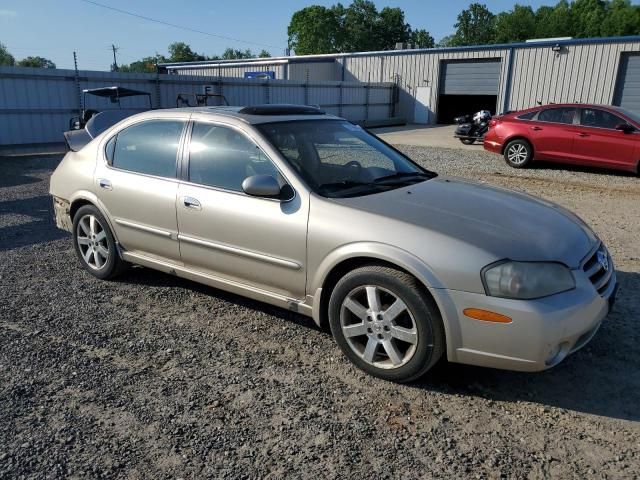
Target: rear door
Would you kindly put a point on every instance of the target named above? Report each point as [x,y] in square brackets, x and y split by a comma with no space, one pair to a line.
[598,143]
[137,184]
[552,133]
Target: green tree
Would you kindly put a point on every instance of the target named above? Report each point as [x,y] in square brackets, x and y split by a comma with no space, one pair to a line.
[588,17]
[516,25]
[315,29]
[232,54]
[475,26]
[145,65]
[360,29]
[36,62]
[5,57]
[391,28]
[422,39]
[621,19]
[264,54]
[554,21]
[181,52]
[447,41]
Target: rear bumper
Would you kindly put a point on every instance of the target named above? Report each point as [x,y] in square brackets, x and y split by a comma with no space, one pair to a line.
[492,145]
[62,214]
[542,334]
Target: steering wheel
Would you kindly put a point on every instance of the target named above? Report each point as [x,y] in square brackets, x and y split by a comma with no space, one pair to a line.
[353,164]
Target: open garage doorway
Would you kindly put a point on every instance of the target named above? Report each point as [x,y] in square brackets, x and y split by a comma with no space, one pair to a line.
[467,86]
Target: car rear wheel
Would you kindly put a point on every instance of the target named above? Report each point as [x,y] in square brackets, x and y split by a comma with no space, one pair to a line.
[518,153]
[95,245]
[385,324]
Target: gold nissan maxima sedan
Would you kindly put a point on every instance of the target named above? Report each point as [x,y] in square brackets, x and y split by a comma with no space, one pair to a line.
[303,210]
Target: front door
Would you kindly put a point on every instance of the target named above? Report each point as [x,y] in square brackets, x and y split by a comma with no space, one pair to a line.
[257,242]
[137,184]
[598,142]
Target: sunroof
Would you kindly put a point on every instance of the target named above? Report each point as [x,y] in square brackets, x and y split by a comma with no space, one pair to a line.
[274,109]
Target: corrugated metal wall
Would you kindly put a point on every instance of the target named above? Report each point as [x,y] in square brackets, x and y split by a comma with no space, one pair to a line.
[412,70]
[577,73]
[36,104]
[239,71]
[583,71]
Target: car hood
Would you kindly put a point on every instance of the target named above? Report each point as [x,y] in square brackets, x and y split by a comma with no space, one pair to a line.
[505,223]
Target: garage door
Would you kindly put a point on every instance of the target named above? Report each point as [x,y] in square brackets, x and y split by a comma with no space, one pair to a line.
[470,77]
[628,90]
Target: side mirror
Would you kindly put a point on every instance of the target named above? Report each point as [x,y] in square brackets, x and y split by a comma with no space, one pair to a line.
[625,128]
[261,186]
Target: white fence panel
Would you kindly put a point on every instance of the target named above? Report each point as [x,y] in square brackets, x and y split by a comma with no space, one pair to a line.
[37,104]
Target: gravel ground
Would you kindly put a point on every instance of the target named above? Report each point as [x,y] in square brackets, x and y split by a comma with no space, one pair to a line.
[154,377]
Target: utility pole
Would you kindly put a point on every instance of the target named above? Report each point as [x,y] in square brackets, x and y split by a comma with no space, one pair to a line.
[77,81]
[115,61]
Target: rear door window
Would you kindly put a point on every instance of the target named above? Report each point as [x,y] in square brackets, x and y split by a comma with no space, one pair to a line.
[557,115]
[149,147]
[594,117]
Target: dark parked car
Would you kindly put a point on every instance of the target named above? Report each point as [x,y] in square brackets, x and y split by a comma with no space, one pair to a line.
[593,135]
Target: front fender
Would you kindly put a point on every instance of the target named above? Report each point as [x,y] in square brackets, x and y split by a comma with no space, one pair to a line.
[401,258]
[380,251]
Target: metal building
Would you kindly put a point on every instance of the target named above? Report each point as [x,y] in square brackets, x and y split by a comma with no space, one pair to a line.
[433,85]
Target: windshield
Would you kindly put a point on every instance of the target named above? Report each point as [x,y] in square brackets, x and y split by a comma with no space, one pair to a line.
[339,159]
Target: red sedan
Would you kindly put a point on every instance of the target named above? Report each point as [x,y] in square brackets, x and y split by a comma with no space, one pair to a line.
[593,135]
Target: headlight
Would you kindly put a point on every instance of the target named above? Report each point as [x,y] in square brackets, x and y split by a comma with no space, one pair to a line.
[527,280]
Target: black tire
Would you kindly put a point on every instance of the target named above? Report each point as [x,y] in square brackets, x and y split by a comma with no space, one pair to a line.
[518,153]
[421,311]
[113,265]
[467,141]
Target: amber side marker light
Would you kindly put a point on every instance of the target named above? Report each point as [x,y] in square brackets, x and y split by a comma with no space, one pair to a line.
[486,315]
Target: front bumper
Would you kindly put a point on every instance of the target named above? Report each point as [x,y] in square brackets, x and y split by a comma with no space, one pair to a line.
[543,331]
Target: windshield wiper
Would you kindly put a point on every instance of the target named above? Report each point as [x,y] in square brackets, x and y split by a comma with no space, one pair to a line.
[344,184]
[403,177]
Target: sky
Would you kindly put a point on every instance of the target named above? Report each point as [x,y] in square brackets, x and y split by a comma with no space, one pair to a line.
[54,29]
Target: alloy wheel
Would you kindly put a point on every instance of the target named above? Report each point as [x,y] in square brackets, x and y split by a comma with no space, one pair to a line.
[378,327]
[92,242]
[517,154]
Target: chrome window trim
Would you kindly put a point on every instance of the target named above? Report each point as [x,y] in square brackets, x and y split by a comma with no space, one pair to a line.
[537,119]
[622,120]
[105,141]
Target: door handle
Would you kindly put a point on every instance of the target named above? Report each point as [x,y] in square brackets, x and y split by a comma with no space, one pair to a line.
[536,128]
[191,202]
[104,183]
[584,135]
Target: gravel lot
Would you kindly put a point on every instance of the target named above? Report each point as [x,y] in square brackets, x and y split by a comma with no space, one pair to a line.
[151,376]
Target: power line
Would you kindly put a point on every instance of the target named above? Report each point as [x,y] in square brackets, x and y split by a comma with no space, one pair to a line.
[162,22]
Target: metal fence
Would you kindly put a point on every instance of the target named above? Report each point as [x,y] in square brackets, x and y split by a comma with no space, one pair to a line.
[36,104]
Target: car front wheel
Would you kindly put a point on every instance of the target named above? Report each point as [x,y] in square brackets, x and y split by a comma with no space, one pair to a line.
[95,245]
[385,324]
[518,153]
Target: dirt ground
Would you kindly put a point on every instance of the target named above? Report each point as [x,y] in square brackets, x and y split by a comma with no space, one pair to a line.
[155,377]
